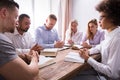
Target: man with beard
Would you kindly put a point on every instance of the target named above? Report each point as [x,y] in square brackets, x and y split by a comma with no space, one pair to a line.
[13,67]
[22,39]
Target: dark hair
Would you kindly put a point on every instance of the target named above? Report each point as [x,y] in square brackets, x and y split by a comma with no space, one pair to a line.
[10,4]
[90,35]
[21,17]
[112,9]
[52,16]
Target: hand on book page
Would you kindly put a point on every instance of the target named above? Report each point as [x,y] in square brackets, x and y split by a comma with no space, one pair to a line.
[74,57]
[45,61]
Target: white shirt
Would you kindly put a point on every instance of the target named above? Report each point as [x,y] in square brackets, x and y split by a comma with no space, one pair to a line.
[76,38]
[110,54]
[22,43]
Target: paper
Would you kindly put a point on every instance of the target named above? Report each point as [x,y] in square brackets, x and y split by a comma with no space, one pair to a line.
[45,61]
[74,57]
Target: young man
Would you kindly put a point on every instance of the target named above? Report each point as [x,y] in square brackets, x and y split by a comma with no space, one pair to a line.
[11,66]
[22,39]
[47,36]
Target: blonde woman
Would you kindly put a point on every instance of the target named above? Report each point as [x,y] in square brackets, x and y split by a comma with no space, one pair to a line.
[73,36]
[93,36]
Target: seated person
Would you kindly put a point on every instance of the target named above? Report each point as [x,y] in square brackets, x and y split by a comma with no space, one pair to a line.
[22,39]
[73,36]
[93,36]
[13,67]
[47,36]
[109,67]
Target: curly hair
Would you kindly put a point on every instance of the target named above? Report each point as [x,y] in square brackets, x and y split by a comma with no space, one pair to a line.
[112,9]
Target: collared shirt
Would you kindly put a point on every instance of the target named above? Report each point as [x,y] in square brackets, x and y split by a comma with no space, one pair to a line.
[76,37]
[99,36]
[110,54]
[46,38]
[22,43]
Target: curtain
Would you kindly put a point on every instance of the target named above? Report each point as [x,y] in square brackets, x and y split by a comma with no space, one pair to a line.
[64,16]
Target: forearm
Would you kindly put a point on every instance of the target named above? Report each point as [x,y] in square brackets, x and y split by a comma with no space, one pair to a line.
[34,68]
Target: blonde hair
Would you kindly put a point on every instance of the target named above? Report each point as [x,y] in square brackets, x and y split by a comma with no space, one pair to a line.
[70,25]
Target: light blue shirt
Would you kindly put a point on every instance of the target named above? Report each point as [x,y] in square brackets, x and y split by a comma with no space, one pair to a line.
[45,37]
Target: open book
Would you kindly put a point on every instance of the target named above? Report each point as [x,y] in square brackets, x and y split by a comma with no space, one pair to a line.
[77,47]
[74,57]
[45,61]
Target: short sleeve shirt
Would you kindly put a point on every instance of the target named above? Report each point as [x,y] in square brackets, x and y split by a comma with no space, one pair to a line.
[7,50]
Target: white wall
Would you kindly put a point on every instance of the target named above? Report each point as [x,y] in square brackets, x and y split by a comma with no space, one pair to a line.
[83,11]
[38,10]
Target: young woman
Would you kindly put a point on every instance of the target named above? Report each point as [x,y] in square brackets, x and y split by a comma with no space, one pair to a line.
[109,11]
[73,36]
[93,36]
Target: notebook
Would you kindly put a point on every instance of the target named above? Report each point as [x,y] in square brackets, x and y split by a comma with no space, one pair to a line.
[74,57]
[45,61]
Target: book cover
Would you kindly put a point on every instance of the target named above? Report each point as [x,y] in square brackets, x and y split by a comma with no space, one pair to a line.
[74,57]
[49,52]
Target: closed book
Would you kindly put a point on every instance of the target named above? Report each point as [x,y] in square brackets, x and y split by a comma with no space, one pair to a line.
[74,57]
[49,52]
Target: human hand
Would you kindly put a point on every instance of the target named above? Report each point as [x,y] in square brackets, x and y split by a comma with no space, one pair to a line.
[86,45]
[70,41]
[84,53]
[37,48]
[32,56]
[59,44]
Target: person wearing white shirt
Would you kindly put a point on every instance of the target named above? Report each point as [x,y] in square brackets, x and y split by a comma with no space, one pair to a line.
[109,11]
[73,36]
[21,38]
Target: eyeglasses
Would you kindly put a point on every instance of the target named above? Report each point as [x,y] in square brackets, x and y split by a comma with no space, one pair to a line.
[101,17]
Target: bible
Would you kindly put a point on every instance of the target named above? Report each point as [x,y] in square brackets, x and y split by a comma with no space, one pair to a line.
[74,57]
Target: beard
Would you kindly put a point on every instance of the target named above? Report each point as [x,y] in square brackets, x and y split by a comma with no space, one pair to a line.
[24,30]
[11,31]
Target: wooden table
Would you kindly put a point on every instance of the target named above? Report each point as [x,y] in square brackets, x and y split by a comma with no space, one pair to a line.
[62,70]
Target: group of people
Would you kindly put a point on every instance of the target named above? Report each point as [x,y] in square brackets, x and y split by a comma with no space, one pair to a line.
[19,53]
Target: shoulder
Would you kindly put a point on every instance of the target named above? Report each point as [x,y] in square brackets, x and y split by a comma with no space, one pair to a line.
[40,28]
[100,32]
[4,38]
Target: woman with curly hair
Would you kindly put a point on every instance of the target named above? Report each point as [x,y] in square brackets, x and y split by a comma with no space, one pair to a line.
[109,11]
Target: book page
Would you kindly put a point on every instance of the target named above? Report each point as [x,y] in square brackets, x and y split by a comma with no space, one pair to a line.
[45,61]
[74,57]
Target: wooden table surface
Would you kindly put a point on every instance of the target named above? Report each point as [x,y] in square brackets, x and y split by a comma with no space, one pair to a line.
[62,70]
